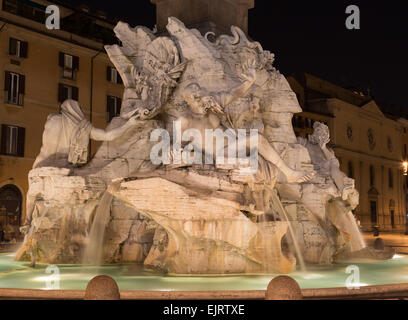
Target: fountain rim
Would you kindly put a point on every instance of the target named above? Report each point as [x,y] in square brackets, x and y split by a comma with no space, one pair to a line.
[388,291]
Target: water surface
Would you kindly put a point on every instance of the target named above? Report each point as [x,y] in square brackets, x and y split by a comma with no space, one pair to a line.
[136,277]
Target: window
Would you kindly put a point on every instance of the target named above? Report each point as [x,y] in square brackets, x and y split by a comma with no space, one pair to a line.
[372,176]
[301,123]
[68,72]
[298,122]
[12,140]
[67,92]
[350,170]
[10,209]
[390,178]
[14,88]
[27,9]
[112,75]
[10,6]
[392,212]
[69,65]
[373,211]
[18,48]
[309,123]
[113,107]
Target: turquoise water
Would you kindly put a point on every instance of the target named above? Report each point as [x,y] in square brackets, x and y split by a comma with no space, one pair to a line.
[135,277]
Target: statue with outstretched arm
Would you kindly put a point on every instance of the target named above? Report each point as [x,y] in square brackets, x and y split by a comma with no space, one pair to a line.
[66,137]
[207,111]
[65,143]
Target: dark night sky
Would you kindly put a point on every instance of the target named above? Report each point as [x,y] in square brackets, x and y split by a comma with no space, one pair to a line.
[311,36]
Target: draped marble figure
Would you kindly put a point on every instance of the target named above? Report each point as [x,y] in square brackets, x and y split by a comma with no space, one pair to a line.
[67,134]
[66,140]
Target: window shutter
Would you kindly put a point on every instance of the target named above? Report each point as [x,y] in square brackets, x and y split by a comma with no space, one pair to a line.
[61,97]
[20,142]
[61,59]
[75,63]
[21,84]
[119,106]
[110,108]
[23,49]
[21,80]
[75,93]
[3,139]
[109,74]
[107,104]
[7,81]
[13,47]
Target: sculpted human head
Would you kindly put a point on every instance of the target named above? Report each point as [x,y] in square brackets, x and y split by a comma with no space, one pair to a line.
[196,99]
[321,134]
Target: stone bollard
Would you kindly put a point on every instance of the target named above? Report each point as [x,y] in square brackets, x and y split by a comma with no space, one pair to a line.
[379,244]
[102,288]
[283,288]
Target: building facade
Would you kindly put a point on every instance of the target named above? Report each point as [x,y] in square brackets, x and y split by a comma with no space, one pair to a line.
[369,145]
[39,69]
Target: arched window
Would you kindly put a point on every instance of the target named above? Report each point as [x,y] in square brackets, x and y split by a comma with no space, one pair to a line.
[10,210]
[350,170]
[390,178]
[372,176]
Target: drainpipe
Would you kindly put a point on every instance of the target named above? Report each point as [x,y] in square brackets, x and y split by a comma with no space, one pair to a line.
[91,96]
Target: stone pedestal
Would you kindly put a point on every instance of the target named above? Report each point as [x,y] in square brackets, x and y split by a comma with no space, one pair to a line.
[206,15]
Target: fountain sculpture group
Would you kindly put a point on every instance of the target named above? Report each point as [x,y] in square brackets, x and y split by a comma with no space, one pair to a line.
[142,200]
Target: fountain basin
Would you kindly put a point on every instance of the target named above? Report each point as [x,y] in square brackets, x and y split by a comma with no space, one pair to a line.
[133,277]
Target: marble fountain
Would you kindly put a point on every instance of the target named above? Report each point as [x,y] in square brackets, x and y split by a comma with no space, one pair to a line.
[199,184]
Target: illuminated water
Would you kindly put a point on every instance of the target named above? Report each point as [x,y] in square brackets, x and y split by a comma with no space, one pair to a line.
[135,277]
[93,250]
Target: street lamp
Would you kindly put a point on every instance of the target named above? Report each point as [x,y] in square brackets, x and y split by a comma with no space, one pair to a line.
[405,168]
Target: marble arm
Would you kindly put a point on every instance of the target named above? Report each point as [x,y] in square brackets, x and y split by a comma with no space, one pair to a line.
[102,135]
[238,92]
[335,172]
[327,153]
[337,175]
